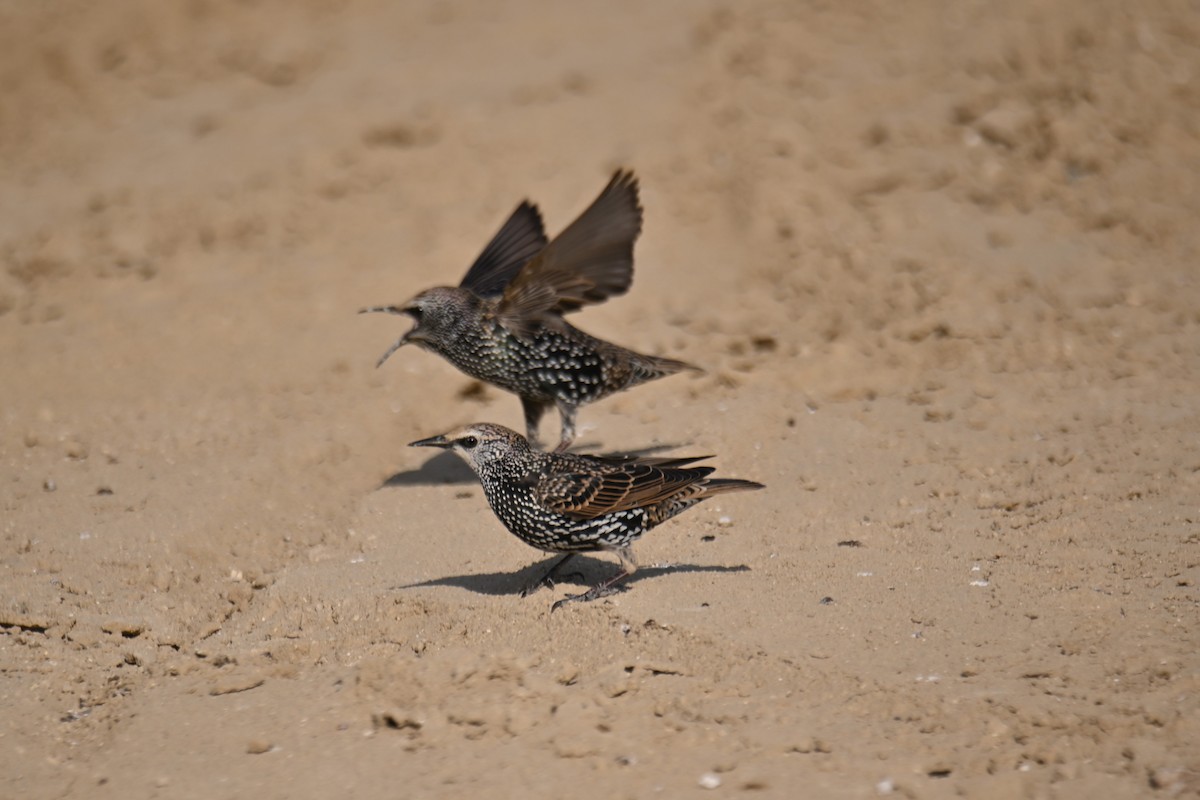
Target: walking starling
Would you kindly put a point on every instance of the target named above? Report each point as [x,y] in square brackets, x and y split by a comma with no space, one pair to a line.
[570,503]
[504,323]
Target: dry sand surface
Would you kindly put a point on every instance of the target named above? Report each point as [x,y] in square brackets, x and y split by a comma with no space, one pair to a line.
[939,261]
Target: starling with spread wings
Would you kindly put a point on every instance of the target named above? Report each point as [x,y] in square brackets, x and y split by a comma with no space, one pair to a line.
[504,323]
[569,503]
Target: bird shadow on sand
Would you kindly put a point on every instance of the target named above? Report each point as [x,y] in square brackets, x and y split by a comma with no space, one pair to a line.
[583,571]
[447,469]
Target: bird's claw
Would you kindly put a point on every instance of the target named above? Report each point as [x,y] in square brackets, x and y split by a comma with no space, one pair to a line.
[595,593]
[549,582]
[533,586]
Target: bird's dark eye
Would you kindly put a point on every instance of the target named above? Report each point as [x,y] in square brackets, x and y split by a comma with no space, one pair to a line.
[414,311]
[468,442]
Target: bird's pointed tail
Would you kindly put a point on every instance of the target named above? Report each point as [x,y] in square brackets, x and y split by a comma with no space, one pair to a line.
[648,368]
[714,486]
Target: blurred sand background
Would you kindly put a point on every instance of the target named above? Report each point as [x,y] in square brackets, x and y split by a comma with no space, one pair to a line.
[939,260]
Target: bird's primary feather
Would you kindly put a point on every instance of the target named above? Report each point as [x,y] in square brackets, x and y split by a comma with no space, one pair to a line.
[590,261]
[519,239]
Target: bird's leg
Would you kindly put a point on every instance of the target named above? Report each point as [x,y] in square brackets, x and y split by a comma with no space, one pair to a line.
[547,577]
[609,587]
[567,412]
[533,415]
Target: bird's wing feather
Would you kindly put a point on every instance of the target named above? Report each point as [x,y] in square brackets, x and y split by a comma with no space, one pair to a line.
[654,461]
[520,238]
[590,261]
[593,489]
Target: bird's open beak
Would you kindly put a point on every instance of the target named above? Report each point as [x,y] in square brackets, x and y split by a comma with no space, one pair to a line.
[403,340]
[432,441]
[413,335]
[384,310]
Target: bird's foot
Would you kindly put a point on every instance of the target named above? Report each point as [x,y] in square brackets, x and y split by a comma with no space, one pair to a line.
[567,434]
[547,578]
[595,593]
[606,589]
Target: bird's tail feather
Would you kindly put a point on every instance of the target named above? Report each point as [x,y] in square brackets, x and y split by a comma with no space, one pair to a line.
[648,368]
[714,486]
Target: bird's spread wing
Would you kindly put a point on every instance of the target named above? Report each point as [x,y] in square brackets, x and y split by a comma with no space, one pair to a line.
[520,238]
[590,490]
[588,262]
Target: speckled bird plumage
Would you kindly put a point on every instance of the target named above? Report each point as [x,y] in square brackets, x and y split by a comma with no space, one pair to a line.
[504,323]
[571,503]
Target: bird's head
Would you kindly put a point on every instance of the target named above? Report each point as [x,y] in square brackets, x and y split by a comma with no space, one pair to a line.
[482,445]
[438,315]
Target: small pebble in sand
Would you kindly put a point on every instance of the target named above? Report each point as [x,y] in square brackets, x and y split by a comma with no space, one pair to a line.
[710,780]
[258,747]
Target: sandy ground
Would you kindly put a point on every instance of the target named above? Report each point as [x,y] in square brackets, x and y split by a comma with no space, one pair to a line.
[938,259]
